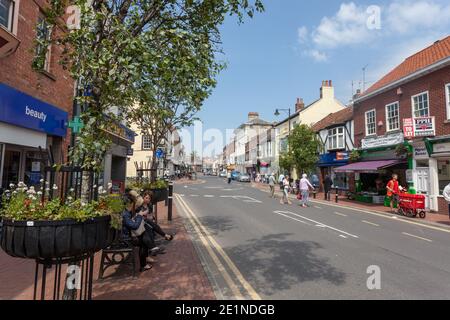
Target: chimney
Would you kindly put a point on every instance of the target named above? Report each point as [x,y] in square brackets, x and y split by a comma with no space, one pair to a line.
[357,94]
[327,90]
[253,116]
[299,105]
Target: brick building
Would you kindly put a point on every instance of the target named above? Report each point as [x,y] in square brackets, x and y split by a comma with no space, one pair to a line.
[34,106]
[402,125]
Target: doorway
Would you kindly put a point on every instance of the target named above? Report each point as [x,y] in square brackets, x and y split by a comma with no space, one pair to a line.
[11,167]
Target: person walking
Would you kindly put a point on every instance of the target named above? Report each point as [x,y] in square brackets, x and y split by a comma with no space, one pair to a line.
[286,186]
[446,195]
[229,177]
[272,185]
[327,184]
[304,190]
[393,190]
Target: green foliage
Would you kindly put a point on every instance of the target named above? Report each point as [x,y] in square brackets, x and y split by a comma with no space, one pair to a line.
[146,185]
[160,54]
[402,151]
[355,155]
[25,204]
[303,149]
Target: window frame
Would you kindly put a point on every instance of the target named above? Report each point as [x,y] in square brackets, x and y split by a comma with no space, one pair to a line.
[387,116]
[447,99]
[413,106]
[143,142]
[48,54]
[10,16]
[375,122]
[334,137]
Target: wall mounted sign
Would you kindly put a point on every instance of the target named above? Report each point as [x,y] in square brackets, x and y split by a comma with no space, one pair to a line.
[419,127]
[382,141]
[23,110]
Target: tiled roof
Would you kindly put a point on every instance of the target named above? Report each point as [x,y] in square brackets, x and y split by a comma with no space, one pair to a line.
[332,119]
[422,59]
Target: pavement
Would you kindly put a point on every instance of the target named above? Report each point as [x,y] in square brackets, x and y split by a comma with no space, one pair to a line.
[252,247]
[177,275]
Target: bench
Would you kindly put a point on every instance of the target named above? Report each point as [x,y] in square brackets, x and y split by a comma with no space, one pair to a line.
[120,252]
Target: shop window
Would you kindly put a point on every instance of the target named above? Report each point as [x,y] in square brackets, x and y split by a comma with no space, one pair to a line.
[443,174]
[447,99]
[371,122]
[392,117]
[336,138]
[146,142]
[43,33]
[420,104]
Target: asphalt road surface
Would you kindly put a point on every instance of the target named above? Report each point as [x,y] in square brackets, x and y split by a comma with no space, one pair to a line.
[252,247]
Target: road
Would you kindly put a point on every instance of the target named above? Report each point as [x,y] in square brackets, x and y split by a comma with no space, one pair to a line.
[252,247]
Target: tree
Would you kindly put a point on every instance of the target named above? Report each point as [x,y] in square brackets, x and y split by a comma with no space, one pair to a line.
[121,42]
[303,151]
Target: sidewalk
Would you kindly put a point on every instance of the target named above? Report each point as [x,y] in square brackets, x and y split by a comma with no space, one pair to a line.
[177,275]
[432,217]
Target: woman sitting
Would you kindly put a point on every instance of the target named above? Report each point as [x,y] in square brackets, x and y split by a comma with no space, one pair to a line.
[147,212]
[134,229]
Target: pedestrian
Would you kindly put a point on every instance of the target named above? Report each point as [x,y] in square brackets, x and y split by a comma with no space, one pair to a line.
[304,190]
[280,181]
[446,195]
[327,184]
[272,185]
[229,177]
[392,191]
[286,186]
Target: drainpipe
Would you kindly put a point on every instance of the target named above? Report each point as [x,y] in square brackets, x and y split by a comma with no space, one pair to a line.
[410,154]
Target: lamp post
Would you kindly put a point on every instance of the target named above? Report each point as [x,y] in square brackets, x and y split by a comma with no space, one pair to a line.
[277,113]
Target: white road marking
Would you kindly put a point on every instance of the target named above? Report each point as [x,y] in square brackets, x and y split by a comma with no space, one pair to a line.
[394,217]
[317,207]
[194,195]
[319,223]
[340,214]
[371,223]
[342,236]
[181,195]
[411,235]
[208,196]
[281,214]
[243,198]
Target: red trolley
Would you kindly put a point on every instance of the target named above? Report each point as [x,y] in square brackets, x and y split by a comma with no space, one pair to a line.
[411,205]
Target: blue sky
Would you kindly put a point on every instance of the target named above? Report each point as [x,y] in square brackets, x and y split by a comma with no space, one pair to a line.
[287,51]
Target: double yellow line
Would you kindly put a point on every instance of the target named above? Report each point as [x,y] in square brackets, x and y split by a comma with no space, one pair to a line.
[210,244]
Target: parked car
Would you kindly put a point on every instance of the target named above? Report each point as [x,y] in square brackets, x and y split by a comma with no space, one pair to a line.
[223,174]
[235,175]
[244,178]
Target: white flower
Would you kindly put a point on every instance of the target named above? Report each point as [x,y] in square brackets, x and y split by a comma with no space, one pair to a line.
[110,185]
[39,193]
[11,185]
[21,184]
[55,187]
[69,198]
[41,181]
[14,192]
[47,189]
[72,190]
[47,183]
[33,197]
[95,186]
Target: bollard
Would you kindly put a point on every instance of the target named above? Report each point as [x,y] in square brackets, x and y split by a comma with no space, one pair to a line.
[337,194]
[170,200]
[314,193]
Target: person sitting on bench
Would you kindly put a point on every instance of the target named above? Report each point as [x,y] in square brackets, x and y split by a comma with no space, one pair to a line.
[147,212]
[134,226]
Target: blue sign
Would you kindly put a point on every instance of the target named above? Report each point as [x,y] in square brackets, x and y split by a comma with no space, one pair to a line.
[23,110]
[332,159]
[159,153]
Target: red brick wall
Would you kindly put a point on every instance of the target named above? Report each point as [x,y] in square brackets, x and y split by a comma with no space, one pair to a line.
[16,71]
[434,83]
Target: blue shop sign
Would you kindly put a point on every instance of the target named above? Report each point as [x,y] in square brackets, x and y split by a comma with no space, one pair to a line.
[332,159]
[23,110]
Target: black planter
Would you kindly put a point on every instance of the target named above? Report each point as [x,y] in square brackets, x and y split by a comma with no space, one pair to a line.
[159,195]
[55,239]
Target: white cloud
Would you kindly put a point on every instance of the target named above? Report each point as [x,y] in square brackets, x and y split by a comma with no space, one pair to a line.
[408,16]
[316,55]
[348,26]
[303,35]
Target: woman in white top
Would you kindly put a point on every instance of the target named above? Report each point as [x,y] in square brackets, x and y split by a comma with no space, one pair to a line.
[285,191]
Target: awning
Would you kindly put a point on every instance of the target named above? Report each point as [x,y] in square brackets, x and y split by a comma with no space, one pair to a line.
[368,166]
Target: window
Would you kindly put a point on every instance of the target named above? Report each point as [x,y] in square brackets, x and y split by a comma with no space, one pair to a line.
[447,99]
[6,10]
[269,148]
[336,138]
[420,105]
[146,142]
[392,117]
[370,123]
[43,33]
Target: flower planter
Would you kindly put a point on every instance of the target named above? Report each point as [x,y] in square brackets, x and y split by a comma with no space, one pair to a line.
[55,239]
[159,195]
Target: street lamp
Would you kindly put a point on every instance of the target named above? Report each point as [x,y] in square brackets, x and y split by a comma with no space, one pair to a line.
[277,113]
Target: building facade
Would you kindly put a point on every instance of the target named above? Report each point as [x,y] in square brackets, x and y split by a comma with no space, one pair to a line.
[34,105]
[402,122]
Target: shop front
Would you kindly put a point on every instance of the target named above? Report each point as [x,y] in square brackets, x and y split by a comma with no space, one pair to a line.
[378,161]
[28,127]
[329,162]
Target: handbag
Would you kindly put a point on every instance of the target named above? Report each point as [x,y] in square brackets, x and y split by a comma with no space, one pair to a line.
[140,230]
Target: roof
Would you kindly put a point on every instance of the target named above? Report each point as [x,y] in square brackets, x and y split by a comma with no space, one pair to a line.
[333,119]
[255,122]
[440,50]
